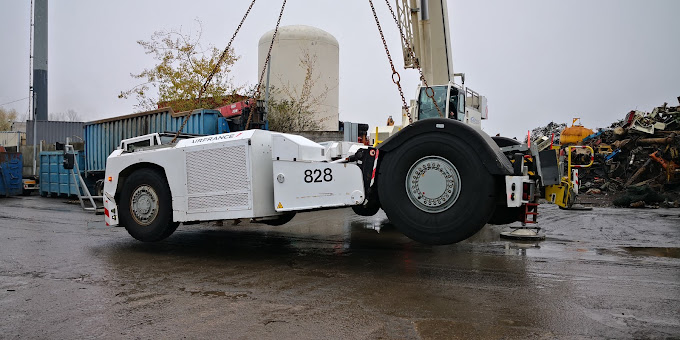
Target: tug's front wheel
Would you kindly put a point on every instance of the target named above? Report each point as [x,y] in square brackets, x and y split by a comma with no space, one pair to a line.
[435,190]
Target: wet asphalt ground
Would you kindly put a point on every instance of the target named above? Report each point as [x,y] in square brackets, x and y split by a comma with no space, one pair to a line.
[606,273]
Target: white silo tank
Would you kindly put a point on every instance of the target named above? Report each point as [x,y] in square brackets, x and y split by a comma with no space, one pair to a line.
[293,43]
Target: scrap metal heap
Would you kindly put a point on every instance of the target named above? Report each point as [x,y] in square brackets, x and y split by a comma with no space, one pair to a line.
[636,159]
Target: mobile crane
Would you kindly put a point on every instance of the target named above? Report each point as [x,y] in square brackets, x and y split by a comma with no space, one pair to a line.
[426,46]
[439,179]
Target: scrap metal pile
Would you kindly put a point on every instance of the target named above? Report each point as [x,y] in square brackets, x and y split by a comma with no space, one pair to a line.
[636,159]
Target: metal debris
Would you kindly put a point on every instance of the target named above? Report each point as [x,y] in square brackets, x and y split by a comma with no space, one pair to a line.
[636,159]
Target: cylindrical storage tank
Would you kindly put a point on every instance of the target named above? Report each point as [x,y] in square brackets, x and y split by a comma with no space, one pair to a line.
[295,49]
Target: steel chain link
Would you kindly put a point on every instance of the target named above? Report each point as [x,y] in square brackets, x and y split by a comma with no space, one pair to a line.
[217,66]
[428,91]
[396,78]
[256,94]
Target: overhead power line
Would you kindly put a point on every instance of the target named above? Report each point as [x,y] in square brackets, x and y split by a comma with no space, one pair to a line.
[14,101]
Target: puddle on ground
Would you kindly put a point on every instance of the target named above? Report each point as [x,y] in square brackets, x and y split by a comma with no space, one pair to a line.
[654,251]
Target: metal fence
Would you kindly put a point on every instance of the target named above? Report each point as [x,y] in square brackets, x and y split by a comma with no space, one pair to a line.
[52,131]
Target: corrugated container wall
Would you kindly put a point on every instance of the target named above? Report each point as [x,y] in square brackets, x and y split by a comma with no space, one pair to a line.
[54,179]
[10,139]
[53,131]
[104,136]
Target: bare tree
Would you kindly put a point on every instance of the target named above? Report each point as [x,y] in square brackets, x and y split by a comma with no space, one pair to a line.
[69,116]
[295,109]
[72,115]
[56,116]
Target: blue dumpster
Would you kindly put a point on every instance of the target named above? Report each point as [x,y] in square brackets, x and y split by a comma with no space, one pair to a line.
[11,164]
[54,179]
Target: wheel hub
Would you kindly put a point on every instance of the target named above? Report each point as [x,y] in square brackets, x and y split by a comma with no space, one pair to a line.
[144,204]
[433,184]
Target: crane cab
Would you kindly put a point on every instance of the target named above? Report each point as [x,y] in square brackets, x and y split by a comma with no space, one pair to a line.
[454,101]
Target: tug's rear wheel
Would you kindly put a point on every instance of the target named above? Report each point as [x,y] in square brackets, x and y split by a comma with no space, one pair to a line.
[435,190]
[146,206]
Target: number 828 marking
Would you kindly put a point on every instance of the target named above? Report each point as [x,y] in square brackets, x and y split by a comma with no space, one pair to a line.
[316,176]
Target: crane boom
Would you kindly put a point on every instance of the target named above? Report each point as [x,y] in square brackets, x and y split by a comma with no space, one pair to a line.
[425,24]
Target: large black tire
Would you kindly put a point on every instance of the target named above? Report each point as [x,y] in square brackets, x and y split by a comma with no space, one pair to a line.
[152,219]
[467,214]
[505,141]
[99,187]
[505,215]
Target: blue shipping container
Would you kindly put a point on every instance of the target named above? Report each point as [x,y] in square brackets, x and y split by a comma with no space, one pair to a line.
[104,136]
[54,179]
[11,166]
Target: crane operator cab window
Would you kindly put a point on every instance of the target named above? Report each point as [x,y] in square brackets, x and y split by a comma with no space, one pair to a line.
[443,95]
[426,107]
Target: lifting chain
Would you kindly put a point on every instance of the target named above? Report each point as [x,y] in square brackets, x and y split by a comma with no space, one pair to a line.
[256,94]
[395,75]
[428,90]
[215,69]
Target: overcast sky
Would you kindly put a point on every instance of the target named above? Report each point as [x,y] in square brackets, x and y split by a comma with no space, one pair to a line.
[536,61]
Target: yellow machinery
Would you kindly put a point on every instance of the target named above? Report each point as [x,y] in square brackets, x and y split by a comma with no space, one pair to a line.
[564,193]
[575,133]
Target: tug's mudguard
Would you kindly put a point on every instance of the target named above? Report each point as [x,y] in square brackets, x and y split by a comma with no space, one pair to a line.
[483,146]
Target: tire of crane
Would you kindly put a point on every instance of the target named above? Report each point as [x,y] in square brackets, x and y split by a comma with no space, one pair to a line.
[145,208]
[455,217]
[505,141]
[505,215]
[280,219]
